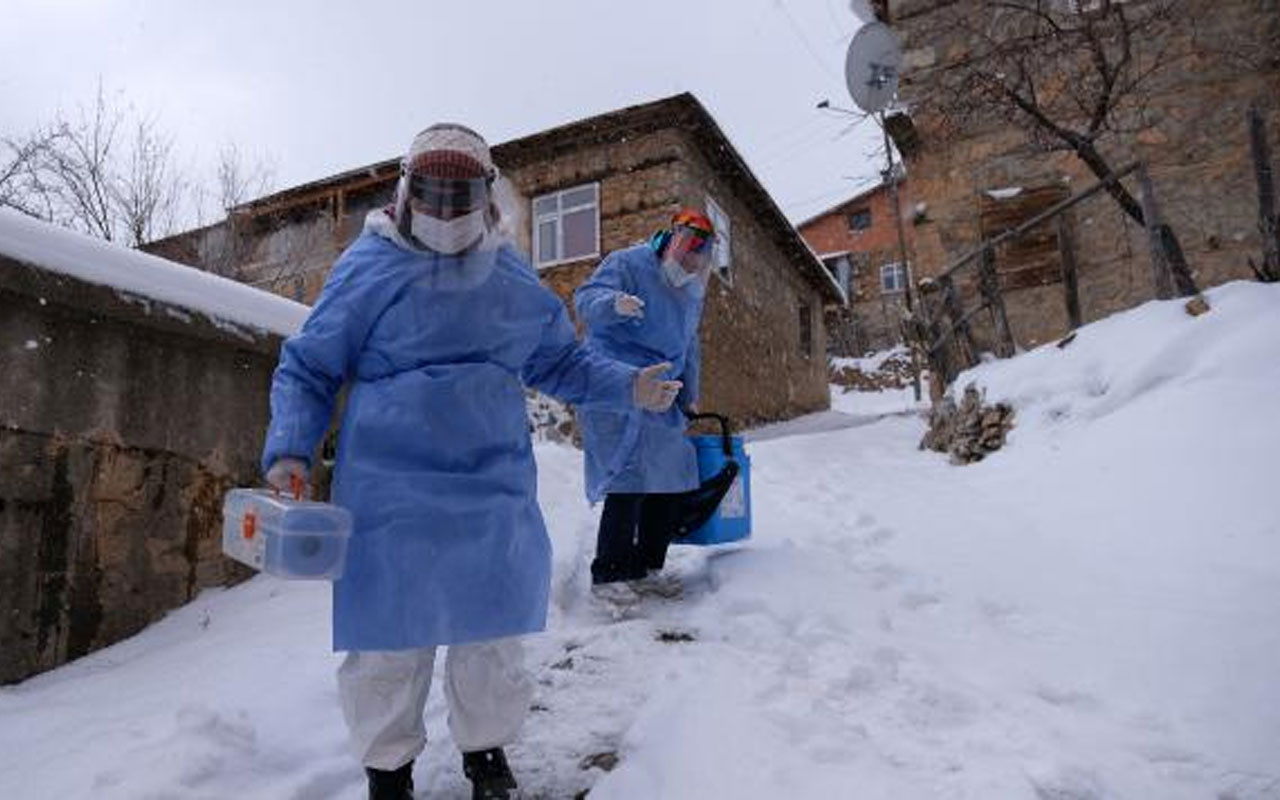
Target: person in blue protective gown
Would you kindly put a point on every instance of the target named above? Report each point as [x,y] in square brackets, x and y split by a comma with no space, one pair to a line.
[435,324]
[643,304]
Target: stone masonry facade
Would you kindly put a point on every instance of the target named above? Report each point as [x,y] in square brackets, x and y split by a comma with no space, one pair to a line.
[761,359]
[1197,150]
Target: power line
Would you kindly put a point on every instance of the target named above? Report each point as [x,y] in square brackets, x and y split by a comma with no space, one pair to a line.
[804,40]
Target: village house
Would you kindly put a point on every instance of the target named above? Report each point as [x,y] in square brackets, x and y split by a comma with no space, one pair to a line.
[1188,125]
[857,241]
[588,188]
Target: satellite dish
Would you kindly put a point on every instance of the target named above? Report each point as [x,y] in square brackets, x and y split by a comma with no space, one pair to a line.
[871,67]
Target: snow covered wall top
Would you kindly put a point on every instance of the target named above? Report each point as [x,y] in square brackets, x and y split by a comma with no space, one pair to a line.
[103,263]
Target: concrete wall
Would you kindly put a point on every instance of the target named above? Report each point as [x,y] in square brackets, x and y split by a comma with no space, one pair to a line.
[1197,146]
[122,423]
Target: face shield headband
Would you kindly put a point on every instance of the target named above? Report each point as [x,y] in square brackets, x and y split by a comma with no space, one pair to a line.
[689,246]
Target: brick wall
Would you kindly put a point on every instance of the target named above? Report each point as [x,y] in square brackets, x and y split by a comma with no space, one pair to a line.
[871,321]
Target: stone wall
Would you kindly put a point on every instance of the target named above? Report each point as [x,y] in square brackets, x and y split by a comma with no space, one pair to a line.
[753,366]
[757,366]
[122,423]
[1197,147]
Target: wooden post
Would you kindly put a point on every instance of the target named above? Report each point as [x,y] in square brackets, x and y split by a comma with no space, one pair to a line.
[1161,279]
[1070,278]
[930,330]
[989,284]
[1267,221]
[966,349]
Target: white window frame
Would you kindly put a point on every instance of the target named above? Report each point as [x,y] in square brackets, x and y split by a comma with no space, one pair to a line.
[898,269]
[840,267]
[557,216]
[722,248]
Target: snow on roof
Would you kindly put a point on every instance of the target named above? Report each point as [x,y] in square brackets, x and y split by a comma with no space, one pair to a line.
[104,263]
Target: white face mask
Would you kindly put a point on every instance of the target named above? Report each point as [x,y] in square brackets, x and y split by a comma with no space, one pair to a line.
[448,236]
[675,274]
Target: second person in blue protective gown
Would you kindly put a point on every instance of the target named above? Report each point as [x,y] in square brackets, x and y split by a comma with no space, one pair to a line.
[435,324]
[643,304]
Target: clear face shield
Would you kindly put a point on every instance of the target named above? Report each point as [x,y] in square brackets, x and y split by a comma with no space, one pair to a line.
[687,257]
[447,215]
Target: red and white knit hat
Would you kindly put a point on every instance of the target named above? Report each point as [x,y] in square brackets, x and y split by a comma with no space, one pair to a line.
[451,151]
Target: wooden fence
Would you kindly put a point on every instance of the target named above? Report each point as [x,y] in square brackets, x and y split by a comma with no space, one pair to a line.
[940,327]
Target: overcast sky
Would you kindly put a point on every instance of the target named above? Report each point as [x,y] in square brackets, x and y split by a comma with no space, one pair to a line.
[320,87]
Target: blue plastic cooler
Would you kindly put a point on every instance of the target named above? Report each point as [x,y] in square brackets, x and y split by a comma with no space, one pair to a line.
[732,520]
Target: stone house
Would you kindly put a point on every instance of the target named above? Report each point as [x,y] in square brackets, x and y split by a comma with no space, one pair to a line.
[987,177]
[588,188]
[857,241]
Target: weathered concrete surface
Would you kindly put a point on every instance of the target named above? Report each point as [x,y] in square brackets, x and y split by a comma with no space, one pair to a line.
[122,423]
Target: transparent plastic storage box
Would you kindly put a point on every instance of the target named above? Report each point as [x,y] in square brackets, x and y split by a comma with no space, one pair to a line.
[285,537]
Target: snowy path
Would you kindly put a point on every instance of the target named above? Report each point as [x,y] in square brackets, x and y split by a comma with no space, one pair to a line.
[1091,614]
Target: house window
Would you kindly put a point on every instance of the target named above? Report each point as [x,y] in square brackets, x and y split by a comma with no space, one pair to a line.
[893,278]
[860,220]
[806,330]
[566,225]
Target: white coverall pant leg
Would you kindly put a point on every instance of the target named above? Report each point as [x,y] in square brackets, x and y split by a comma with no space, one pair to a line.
[384,694]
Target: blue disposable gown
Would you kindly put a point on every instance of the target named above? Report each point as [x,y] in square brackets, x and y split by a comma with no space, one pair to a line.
[630,450]
[434,458]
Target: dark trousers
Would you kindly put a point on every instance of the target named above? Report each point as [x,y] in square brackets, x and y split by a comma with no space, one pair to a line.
[635,530]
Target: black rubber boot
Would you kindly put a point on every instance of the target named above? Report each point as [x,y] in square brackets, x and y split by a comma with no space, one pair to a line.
[491,778]
[395,784]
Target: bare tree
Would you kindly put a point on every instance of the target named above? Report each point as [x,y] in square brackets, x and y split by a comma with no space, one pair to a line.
[147,193]
[1073,75]
[84,174]
[76,171]
[19,173]
[239,182]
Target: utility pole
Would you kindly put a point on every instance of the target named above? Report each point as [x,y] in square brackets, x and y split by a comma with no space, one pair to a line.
[891,177]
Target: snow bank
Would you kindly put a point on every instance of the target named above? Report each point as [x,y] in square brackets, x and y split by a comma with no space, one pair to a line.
[96,261]
[1156,348]
[1092,613]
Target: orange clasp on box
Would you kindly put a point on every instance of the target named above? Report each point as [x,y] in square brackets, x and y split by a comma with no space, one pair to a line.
[249,524]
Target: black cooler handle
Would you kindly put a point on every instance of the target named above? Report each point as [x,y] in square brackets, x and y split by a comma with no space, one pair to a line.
[725,431]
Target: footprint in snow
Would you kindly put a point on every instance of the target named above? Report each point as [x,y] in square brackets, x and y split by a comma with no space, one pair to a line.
[1059,782]
[1067,698]
[914,601]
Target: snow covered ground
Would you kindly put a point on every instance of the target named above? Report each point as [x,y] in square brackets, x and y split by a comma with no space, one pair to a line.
[1091,613]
